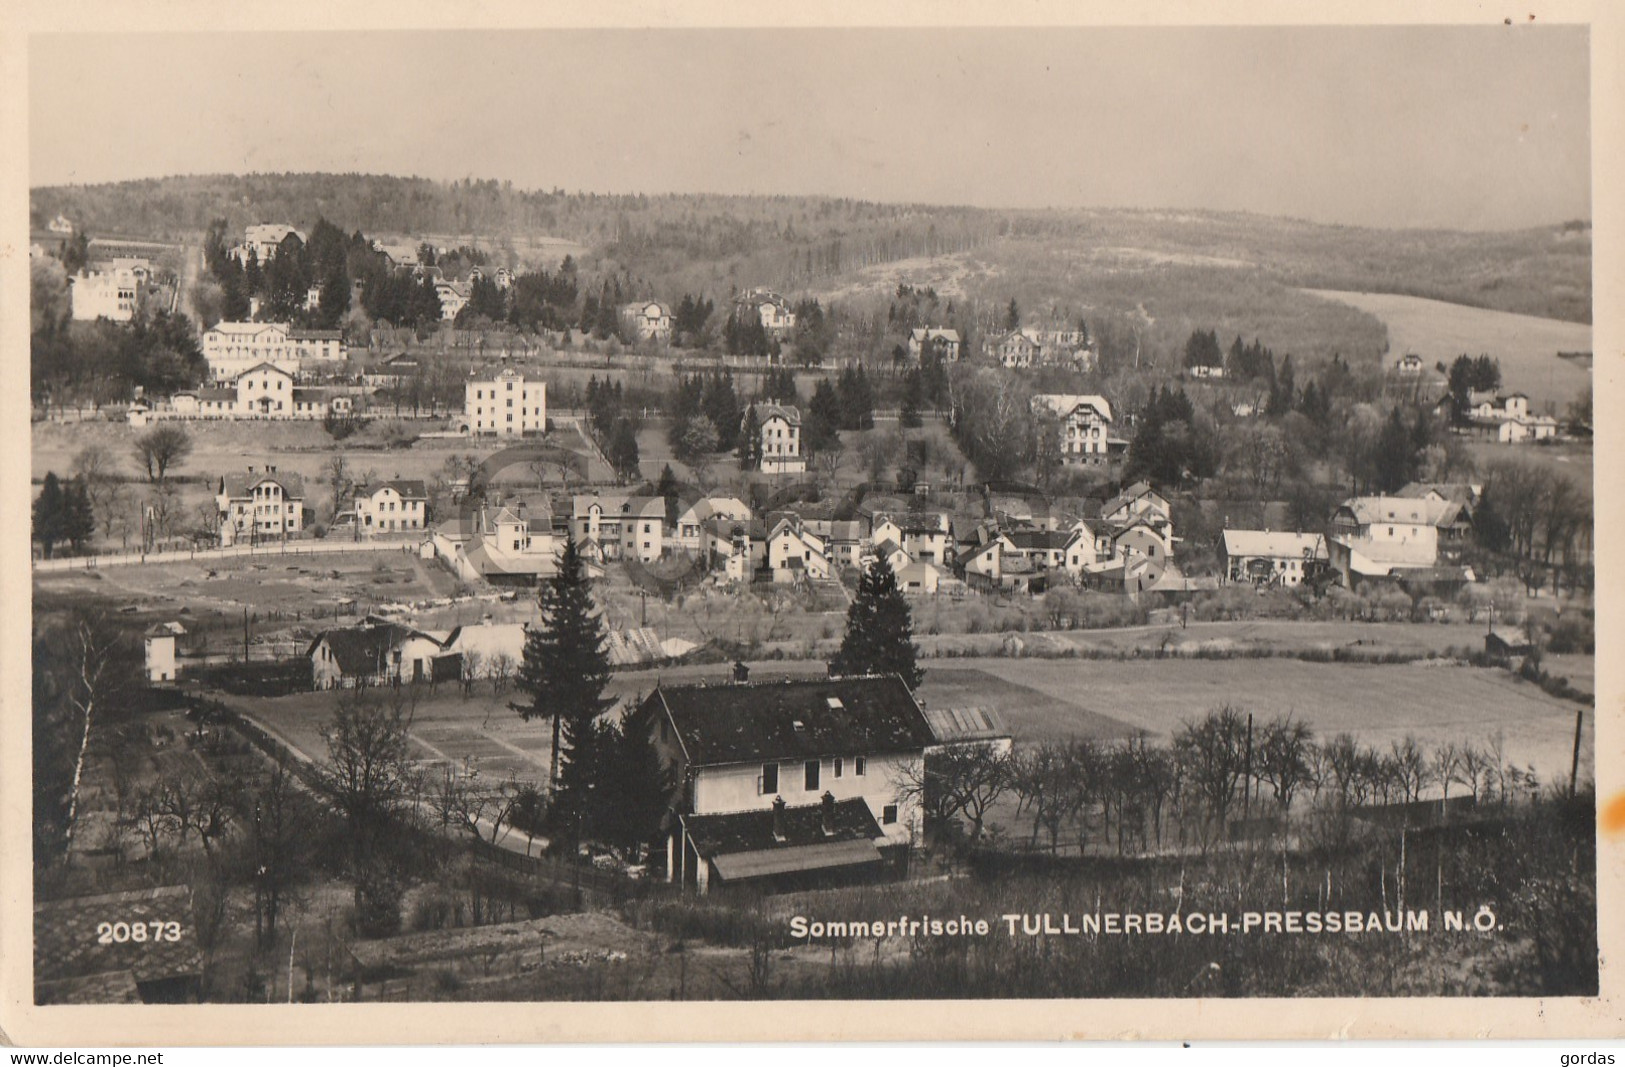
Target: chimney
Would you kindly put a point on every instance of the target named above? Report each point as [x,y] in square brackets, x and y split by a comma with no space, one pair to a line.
[829,813]
[778,818]
[251,468]
[270,468]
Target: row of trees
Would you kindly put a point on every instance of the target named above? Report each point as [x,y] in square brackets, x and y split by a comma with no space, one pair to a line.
[1140,795]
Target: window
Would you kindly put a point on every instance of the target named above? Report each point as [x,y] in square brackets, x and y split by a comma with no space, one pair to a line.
[888,814]
[770,777]
[859,765]
[810,778]
[839,766]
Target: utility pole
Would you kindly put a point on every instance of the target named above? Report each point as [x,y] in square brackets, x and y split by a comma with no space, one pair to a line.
[245,633]
[1574,767]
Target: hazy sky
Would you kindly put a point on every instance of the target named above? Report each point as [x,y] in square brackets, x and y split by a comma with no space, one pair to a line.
[1458,127]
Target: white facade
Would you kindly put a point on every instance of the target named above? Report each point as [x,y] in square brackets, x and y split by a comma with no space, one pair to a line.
[233,347]
[391,507]
[505,405]
[265,392]
[103,295]
[647,320]
[881,781]
[1084,425]
[259,508]
[781,441]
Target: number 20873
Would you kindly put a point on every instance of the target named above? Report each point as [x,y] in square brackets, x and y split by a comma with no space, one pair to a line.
[120,933]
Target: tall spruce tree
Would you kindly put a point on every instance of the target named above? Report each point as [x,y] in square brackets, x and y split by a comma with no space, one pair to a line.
[879,630]
[566,669]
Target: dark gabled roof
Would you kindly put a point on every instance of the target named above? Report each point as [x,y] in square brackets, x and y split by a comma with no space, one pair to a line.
[407,488]
[743,723]
[66,946]
[362,650]
[1039,540]
[752,831]
[236,485]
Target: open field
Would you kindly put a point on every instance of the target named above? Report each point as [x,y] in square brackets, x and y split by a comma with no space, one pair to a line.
[1526,346]
[1065,699]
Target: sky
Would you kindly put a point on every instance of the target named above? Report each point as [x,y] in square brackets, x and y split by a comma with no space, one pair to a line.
[1457,127]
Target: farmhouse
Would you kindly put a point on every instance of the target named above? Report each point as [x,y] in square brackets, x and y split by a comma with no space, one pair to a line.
[373,654]
[1271,557]
[789,784]
[263,506]
[1409,365]
[1388,536]
[503,403]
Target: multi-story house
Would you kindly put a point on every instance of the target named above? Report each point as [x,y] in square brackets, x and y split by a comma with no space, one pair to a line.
[453,296]
[260,506]
[504,403]
[926,537]
[620,527]
[264,240]
[1272,557]
[942,342]
[781,785]
[233,347]
[770,309]
[1386,536]
[391,507]
[646,320]
[1082,425]
[265,392]
[109,294]
[794,552]
[780,436]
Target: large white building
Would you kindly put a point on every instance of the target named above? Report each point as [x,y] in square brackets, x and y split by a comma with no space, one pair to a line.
[233,347]
[505,403]
[391,507]
[1084,424]
[109,294]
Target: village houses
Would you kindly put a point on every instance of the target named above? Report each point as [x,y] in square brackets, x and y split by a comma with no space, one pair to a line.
[1271,557]
[1391,536]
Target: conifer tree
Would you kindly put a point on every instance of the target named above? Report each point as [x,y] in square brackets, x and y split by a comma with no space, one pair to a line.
[566,669]
[49,509]
[879,630]
[750,441]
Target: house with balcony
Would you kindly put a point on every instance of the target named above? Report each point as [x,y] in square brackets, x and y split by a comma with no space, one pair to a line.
[260,506]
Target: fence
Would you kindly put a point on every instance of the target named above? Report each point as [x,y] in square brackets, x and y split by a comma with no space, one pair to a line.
[280,548]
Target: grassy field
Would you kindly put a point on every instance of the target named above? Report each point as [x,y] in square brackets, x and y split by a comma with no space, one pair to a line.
[1526,346]
[1064,699]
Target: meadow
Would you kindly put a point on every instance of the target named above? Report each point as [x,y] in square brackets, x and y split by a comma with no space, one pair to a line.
[1527,346]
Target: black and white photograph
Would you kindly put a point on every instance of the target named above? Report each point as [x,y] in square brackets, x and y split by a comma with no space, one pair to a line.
[678,514]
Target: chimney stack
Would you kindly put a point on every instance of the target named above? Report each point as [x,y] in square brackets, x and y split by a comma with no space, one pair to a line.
[778,818]
[829,814]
